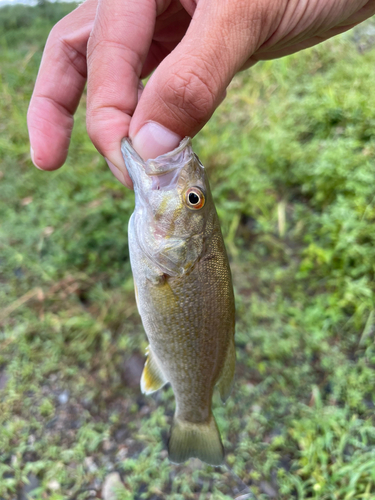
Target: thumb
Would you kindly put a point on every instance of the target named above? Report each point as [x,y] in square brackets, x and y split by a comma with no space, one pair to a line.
[190,83]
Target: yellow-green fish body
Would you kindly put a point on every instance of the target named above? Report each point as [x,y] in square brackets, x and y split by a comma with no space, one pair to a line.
[184,294]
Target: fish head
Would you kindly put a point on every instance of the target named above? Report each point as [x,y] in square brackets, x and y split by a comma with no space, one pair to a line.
[173,206]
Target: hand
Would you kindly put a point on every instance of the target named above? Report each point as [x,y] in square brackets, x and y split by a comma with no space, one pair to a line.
[195,48]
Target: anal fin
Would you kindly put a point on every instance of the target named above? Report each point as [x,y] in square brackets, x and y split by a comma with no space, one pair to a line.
[226,379]
[152,377]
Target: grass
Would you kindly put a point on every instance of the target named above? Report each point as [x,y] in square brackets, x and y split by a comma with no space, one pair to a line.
[290,155]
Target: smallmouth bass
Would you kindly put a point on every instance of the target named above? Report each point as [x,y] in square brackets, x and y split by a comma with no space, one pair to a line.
[184,294]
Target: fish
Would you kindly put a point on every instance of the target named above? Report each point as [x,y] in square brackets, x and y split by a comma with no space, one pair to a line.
[184,294]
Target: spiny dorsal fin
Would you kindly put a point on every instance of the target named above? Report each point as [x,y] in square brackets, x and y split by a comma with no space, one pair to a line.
[226,379]
[195,440]
[152,377]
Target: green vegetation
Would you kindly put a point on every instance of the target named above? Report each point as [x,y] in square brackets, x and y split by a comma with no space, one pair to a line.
[290,155]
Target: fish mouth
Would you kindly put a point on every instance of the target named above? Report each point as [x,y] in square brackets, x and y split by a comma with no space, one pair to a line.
[164,170]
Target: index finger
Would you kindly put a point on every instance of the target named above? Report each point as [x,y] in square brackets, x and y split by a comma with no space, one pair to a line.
[118,47]
[59,86]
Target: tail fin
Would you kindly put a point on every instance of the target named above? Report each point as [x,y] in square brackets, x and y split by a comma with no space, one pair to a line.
[195,440]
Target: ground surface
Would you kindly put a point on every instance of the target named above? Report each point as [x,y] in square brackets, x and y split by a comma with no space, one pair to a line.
[290,156]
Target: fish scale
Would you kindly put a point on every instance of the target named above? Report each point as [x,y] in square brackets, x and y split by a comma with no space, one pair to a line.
[184,294]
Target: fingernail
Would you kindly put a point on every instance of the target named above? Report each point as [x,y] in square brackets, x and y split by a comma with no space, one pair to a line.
[120,176]
[153,140]
[32,155]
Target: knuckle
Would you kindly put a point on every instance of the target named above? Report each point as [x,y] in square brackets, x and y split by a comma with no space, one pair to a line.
[76,59]
[63,28]
[105,37]
[63,43]
[56,32]
[192,92]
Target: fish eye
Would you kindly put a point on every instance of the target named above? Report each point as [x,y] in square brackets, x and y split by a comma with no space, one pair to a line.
[195,198]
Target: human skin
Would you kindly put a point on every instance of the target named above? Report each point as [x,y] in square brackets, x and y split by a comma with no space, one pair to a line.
[194,47]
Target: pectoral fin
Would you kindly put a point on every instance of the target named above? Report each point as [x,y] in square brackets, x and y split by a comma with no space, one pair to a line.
[152,377]
[176,256]
[226,380]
